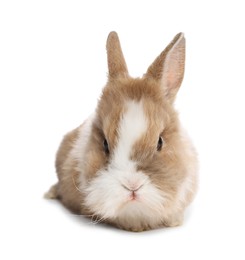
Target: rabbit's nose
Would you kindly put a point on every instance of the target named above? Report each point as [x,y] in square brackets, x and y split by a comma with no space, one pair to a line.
[132,187]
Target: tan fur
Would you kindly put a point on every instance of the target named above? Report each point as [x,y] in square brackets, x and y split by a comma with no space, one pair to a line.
[116,62]
[167,169]
[66,189]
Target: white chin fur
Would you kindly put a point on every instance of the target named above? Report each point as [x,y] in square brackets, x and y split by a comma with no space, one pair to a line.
[107,197]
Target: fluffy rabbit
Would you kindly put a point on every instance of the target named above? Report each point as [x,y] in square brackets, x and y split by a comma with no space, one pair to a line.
[130,164]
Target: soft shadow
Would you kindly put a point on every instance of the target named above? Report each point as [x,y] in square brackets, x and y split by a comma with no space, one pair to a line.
[188,214]
[87,222]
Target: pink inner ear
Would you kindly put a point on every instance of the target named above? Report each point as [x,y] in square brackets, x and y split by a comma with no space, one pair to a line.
[173,72]
[171,79]
[168,67]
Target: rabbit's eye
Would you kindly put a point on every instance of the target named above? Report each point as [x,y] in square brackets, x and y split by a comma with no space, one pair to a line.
[159,144]
[106,146]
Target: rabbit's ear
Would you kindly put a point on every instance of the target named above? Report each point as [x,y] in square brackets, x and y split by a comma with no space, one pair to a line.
[169,66]
[116,62]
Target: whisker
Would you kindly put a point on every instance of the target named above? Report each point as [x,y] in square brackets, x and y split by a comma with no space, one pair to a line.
[97,220]
[75,184]
[73,179]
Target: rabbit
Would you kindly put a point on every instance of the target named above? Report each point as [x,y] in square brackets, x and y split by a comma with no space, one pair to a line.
[131,164]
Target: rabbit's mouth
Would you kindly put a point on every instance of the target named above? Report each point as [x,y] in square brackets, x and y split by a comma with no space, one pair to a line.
[113,194]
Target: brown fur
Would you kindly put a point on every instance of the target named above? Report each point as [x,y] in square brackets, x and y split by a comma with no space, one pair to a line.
[67,174]
[167,168]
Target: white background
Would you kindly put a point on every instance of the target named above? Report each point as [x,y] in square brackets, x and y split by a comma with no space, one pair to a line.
[52,69]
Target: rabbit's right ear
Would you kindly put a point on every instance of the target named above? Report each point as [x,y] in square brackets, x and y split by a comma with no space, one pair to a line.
[116,62]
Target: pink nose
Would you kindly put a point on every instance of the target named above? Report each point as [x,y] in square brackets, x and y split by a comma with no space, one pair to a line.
[133,188]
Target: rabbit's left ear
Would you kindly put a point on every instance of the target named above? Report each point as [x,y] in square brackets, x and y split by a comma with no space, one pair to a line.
[169,66]
[116,62]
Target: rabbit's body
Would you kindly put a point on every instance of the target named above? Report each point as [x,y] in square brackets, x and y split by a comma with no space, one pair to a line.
[130,164]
